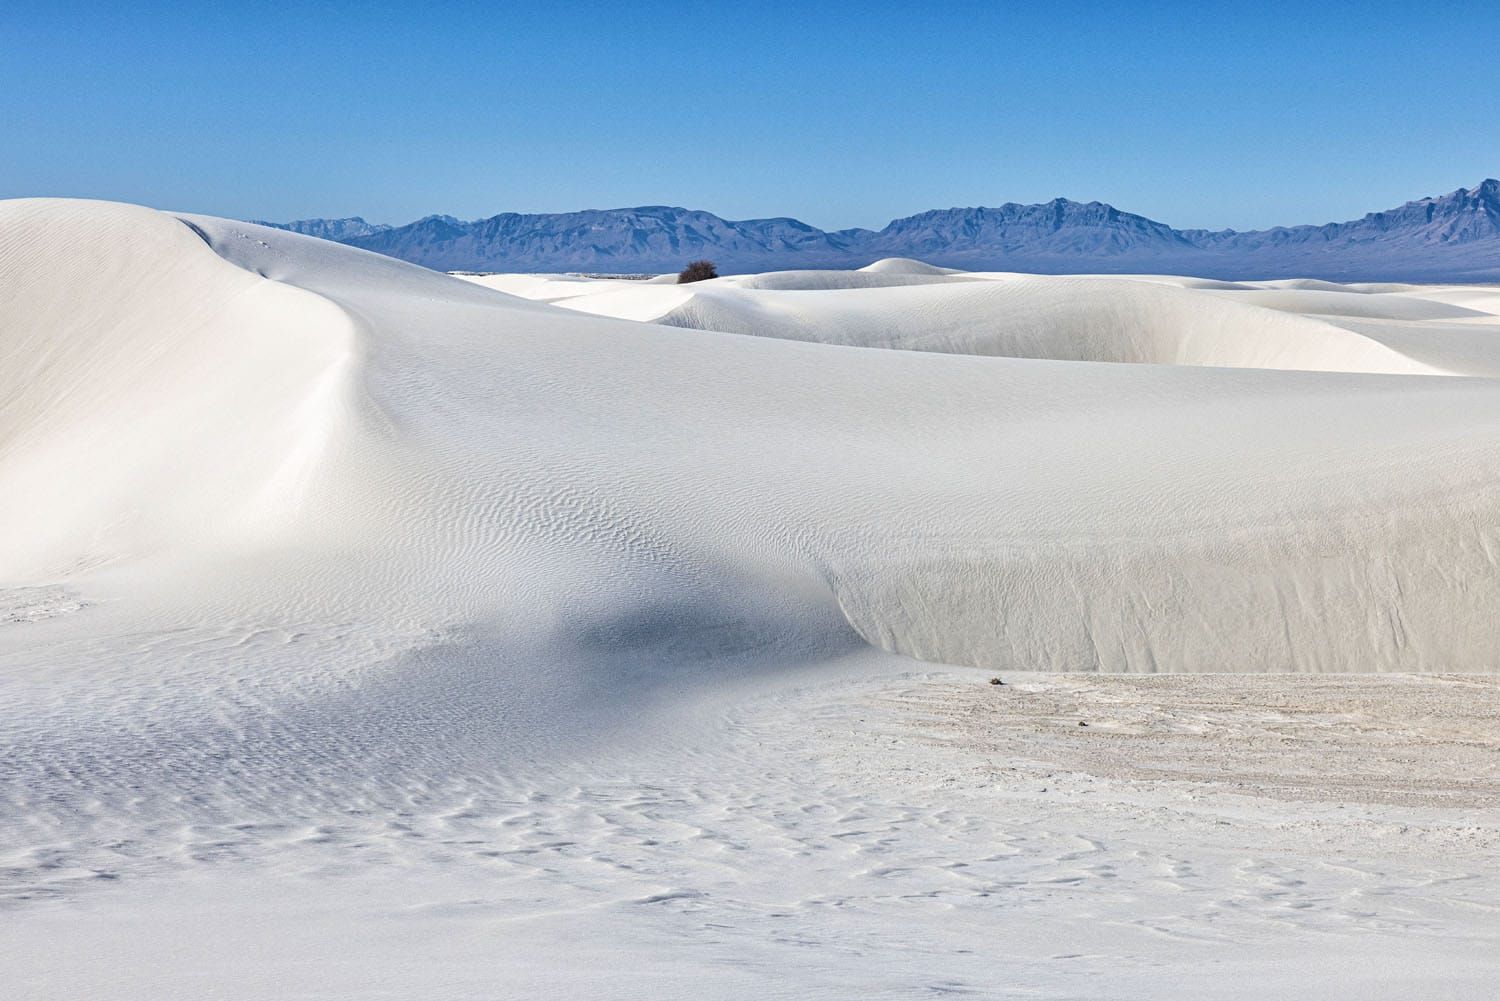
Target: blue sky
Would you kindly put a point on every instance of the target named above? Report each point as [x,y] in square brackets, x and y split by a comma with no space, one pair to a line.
[1247,115]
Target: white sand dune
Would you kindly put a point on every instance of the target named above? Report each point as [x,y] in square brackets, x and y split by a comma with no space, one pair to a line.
[906,266]
[520,624]
[1148,320]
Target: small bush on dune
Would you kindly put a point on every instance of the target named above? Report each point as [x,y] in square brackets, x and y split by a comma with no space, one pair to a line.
[697,272]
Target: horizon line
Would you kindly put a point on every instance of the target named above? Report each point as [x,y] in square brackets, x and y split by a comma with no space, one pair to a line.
[1488,181]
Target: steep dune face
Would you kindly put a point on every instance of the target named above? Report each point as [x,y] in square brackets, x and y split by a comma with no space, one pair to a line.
[150,393]
[596,484]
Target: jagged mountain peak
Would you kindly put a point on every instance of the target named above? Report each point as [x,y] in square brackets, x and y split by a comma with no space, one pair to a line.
[1487,190]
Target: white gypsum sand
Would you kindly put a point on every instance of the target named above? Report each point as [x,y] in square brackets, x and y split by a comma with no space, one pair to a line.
[369,631]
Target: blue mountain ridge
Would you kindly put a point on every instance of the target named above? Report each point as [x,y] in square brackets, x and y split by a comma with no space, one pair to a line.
[1452,237]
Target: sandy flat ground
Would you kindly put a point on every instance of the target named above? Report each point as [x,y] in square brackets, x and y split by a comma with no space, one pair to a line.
[860,832]
[1355,740]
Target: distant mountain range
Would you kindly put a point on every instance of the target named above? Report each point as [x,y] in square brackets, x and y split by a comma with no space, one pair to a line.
[1453,237]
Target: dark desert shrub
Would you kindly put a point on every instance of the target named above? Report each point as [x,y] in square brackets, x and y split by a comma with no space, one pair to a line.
[697,272]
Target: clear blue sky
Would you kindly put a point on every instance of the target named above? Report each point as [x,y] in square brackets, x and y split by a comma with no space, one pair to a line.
[838,114]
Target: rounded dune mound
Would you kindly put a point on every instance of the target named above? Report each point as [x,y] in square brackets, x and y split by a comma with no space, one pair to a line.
[1484,298]
[1180,281]
[906,266]
[1342,302]
[1304,285]
[827,280]
[1072,319]
[653,301]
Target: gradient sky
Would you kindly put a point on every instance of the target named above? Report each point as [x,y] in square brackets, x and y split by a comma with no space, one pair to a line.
[841,115]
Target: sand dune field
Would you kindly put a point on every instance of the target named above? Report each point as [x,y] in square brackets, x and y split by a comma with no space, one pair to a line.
[367,631]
